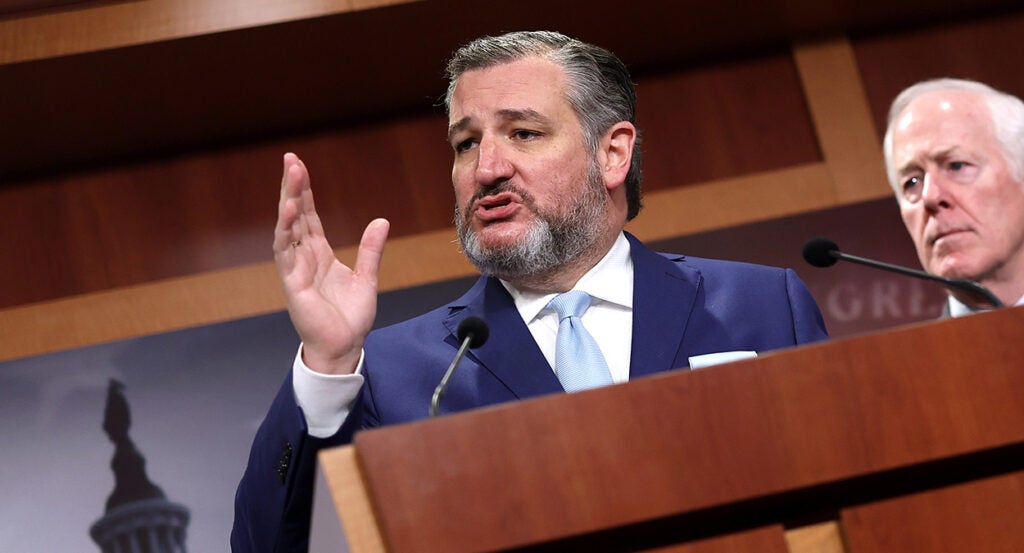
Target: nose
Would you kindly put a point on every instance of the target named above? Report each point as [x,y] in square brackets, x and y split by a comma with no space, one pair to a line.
[493,165]
[935,192]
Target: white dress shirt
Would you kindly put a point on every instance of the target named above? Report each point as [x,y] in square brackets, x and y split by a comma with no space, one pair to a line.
[326,399]
[609,319]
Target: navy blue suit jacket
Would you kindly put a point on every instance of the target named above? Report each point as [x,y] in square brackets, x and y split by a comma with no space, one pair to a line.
[682,306]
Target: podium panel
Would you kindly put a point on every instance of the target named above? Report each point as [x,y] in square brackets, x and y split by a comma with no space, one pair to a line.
[982,515]
[789,437]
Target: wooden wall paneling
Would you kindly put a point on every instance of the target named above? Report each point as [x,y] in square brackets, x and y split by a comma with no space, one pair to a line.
[221,64]
[32,214]
[399,169]
[846,133]
[176,216]
[136,223]
[723,118]
[985,49]
[209,90]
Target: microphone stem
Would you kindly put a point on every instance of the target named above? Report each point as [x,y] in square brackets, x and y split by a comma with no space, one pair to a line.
[887,266]
[442,386]
[957,284]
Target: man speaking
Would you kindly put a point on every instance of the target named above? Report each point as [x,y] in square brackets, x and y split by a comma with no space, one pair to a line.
[546,173]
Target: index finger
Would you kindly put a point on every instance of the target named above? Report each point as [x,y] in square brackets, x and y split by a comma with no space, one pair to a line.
[296,218]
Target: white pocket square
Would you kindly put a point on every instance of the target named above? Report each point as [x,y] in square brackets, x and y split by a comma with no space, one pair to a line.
[708,359]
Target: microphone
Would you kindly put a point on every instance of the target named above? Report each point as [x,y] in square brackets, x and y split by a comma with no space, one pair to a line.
[472,333]
[822,252]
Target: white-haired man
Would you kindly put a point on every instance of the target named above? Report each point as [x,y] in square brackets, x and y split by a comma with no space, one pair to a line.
[954,152]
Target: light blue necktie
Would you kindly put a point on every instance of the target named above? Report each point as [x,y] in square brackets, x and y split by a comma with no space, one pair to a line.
[578,360]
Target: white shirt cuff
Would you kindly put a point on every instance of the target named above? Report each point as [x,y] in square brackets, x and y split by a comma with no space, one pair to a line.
[325,399]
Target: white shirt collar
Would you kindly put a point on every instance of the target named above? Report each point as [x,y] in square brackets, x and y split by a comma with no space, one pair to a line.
[959,309]
[610,280]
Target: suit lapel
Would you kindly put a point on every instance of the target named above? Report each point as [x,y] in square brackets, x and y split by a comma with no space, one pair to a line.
[664,294]
[663,298]
[511,354]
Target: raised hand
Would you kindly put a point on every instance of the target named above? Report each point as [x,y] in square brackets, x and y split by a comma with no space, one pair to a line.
[331,305]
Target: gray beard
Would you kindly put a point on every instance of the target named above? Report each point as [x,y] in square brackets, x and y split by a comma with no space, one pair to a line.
[552,241]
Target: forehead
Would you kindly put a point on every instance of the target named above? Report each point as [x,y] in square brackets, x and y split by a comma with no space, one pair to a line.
[941,121]
[531,83]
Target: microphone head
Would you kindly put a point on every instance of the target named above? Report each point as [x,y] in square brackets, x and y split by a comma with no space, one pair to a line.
[476,329]
[821,252]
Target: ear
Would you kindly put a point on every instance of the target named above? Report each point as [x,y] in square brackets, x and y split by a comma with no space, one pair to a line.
[615,153]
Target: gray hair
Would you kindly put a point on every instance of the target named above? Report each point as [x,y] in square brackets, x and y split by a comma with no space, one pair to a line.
[1005,111]
[600,89]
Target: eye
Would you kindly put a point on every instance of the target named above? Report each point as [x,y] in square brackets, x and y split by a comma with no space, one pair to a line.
[464,145]
[524,134]
[963,172]
[912,188]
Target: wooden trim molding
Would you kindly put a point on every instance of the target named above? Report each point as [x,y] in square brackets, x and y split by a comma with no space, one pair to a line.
[734,201]
[842,117]
[823,537]
[107,25]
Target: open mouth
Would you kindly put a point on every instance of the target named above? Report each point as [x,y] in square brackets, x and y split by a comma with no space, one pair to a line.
[488,206]
[496,207]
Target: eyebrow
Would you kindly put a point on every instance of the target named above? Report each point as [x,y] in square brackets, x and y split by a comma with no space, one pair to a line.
[527,115]
[938,154]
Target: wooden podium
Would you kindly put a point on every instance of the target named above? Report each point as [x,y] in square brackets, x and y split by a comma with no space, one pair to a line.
[910,440]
